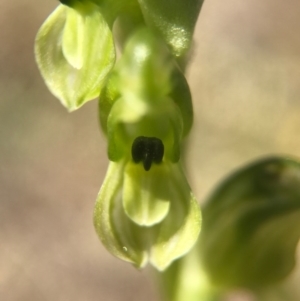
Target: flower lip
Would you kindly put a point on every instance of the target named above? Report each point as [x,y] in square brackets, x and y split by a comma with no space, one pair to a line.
[147,150]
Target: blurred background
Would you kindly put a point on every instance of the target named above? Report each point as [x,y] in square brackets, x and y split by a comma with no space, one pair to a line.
[245,80]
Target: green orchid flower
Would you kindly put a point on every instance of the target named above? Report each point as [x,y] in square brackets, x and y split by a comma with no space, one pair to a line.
[145,210]
[75,51]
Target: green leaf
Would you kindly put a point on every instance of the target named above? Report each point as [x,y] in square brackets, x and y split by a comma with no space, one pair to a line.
[179,231]
[74,52]
[117,232]
[175,20]
[251,225]
[146,194]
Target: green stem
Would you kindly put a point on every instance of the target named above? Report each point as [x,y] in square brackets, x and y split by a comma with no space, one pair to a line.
[185,279]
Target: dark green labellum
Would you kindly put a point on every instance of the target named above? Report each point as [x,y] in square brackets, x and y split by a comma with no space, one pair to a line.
[147,150]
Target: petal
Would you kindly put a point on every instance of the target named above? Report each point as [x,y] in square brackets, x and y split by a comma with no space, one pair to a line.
[73,39]
[117,232]
[74,67]
[179,231]
[146,194]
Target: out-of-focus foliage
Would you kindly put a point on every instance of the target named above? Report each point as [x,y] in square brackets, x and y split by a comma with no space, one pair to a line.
[251,225]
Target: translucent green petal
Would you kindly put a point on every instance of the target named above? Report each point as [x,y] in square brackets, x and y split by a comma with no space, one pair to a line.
[179,231]
[73,39]
[251,225]
[117,232]
[175,20]
[146,194]
[74,70]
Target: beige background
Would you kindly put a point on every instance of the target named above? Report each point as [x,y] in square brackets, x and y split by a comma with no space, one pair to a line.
[245,80]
